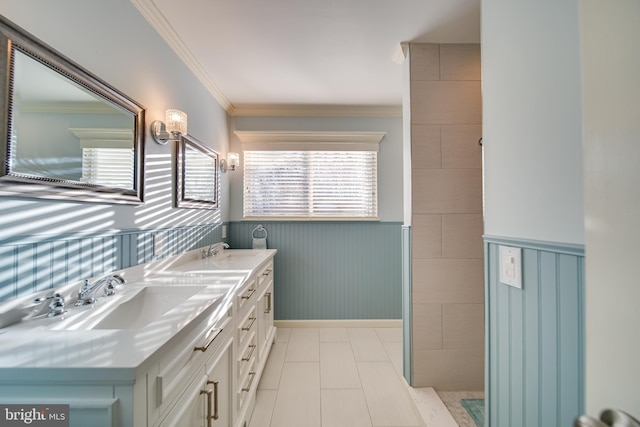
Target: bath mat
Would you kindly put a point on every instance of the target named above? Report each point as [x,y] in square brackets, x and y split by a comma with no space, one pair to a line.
[475,408]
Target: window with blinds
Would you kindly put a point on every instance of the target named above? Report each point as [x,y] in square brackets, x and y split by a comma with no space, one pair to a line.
[310,184]
[111,167]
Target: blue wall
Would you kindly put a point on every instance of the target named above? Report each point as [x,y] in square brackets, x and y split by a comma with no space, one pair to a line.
[332,270]
[36,263]
[535,336]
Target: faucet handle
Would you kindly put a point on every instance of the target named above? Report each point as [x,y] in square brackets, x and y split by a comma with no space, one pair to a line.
[110,288]
[56,306]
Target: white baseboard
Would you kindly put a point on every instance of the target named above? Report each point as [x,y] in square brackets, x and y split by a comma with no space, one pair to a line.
[342,323]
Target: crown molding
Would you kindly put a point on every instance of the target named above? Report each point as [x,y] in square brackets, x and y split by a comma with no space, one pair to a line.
[159,22]
[400,53]
[250,110]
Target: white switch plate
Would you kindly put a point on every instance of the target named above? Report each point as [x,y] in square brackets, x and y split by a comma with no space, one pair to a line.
[224,231]
[511,266]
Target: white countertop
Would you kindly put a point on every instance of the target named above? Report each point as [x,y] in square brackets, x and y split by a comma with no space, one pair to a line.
[47,347]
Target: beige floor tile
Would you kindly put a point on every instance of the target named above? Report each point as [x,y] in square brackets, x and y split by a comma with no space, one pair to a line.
[366,345]
[387,398]
[265,401]
[298,400]
[389,334]
[282,334]
[394,351]
[295,394]
[304,345]
[338,367]
[344,408]
[273,369]
[334,335]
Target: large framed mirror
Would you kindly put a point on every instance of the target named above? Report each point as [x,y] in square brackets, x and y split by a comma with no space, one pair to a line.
[64,133]
[196,175]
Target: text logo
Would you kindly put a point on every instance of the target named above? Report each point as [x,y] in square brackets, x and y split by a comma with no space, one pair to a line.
[34,415]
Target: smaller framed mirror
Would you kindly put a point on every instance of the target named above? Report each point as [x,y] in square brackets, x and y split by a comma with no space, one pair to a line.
[196,175]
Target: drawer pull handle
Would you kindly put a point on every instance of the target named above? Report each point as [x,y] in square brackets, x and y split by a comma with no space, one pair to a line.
[246,358]
[268,309]
[215,415]
[251,321]
[209,417]
[267,272]
[251,292]
[248,387]
[206,346]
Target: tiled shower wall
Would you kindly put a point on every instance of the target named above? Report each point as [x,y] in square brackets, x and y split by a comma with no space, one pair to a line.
[35,263]
[446,230]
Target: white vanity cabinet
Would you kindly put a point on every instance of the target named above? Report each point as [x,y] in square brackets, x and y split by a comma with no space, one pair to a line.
[184,360]
[264,306]
[255,334]
[199,364]
[207,402]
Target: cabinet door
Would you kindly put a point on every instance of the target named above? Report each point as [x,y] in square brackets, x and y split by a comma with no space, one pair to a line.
[219,382]
[190,410]
[265,317]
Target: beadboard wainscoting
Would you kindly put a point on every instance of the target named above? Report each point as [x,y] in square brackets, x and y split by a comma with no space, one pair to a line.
[535,336]
[407,295]
[332,270]
[35,263]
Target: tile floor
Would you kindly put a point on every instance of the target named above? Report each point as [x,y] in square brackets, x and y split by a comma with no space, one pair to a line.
[342,377]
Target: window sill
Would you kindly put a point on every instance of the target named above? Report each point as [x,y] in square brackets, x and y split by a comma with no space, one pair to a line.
[308,219]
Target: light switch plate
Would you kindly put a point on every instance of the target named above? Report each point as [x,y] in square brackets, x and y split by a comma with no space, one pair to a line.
[511,266]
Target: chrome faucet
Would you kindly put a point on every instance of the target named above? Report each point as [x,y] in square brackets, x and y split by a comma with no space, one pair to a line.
[87,290]
[56,306]
[214,249]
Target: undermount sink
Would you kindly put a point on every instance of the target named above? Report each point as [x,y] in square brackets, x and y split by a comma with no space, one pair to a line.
[146,306]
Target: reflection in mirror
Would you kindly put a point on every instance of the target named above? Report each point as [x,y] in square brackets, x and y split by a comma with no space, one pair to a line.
[196,175]
[69,135]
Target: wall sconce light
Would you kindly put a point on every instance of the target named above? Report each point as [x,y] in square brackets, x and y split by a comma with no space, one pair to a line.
[233,159]
[174,126]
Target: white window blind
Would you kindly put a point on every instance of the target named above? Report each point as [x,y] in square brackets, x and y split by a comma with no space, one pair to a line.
[111,167]
[310,184]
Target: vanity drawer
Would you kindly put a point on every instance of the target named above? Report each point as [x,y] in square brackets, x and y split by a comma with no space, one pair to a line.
[175,370]
[247,327]
[247,384]
[265,275]
[246,293]
[246,356]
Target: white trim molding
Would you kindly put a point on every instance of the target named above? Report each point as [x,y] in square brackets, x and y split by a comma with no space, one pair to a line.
[317,111]
[340,323]
[296,140]
[159,22]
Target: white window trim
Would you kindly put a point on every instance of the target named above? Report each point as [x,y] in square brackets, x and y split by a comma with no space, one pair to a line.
[310,141]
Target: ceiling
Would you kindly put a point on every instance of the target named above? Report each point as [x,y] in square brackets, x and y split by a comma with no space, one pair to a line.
[296,54]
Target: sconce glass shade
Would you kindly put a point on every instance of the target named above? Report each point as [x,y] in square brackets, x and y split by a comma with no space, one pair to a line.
[176,121]
[233,161]
[171,129]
